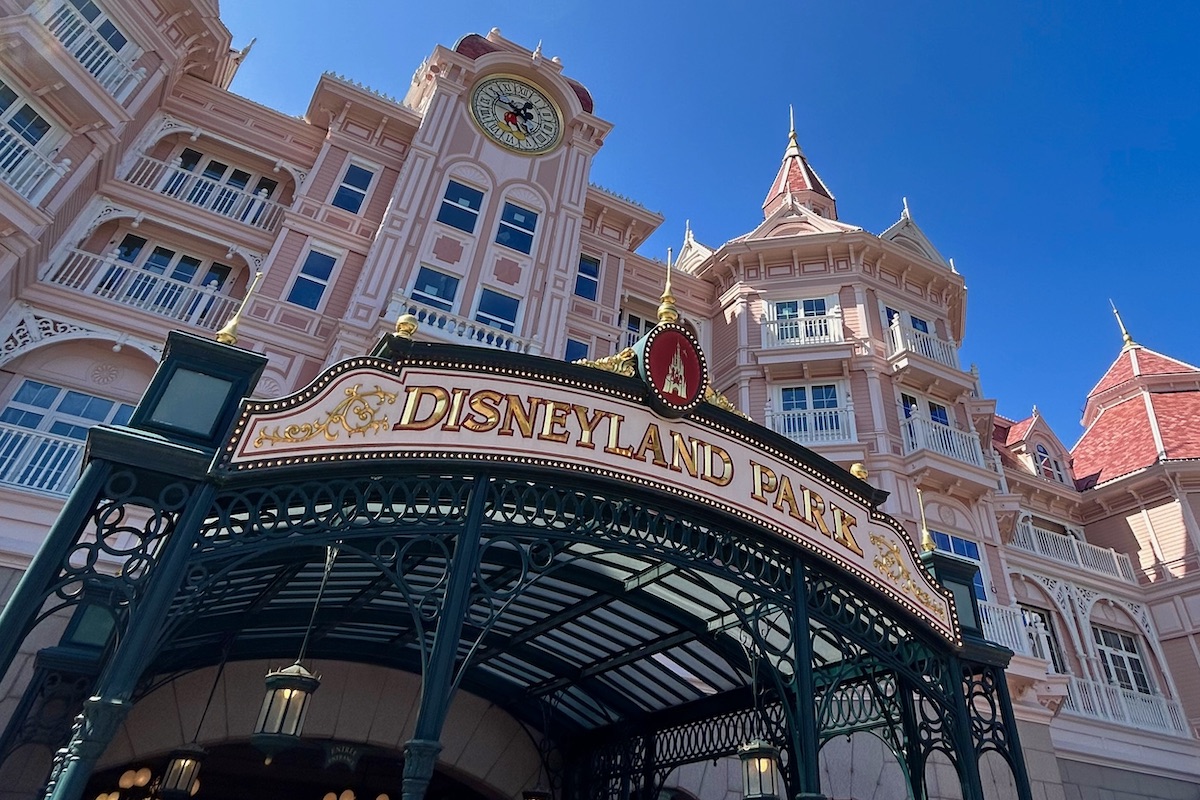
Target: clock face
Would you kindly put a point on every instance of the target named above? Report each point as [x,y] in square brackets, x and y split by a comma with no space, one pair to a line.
[516,114]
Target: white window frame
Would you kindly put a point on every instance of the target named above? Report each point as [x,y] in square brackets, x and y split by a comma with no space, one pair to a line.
[981,586]
[594,281]
[298,273]
[1048,466]
[630,335]
[516,322]
[421,297]
[367,166]
[444,201]
[253,185]
[128,51]
[794,328]
[587,349]
[1109,656]
[502,223]
[785,422]
[1031,615]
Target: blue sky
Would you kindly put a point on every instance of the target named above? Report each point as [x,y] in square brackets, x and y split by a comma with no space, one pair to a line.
[1049,147]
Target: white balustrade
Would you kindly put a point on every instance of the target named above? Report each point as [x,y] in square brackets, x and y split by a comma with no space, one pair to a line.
[1069,550]
[38,461]
[802,331]
[27,171]
[255,210]
[925,434]
[1118,704]
[115,72]
[1005,625]
[460,330]
[202,306]
[907,339]
[816,426]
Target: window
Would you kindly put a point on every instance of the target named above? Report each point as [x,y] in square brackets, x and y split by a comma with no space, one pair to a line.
[939,414]
[800,320]
[516,228]
[62,417]
[1122,660]
[587,280]
[19,118]
[209,182]
[1048,466]
[435,289]
[460,207]
[161,279]
[636,326]
[353,191]
[964,548]
[576,350]
[497,310]
[1040,624]
[313,278]
[810,412]
[99,22]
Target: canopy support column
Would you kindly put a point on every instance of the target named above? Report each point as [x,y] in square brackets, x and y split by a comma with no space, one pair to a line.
[104,712]
[438,678]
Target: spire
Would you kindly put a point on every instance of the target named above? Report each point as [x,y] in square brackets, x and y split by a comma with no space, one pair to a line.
[1125,337]
[667,312]
[797,182]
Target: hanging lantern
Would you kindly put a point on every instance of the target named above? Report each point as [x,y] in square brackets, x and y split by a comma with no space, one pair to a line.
[281,720]
[182,773]
[760,771]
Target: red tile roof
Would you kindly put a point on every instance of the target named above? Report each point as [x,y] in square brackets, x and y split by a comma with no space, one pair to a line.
[1178,415]
[1018,431]
[1148,362]
[1117,443]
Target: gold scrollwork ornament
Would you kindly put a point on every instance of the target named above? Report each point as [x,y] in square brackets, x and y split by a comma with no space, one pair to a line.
[358,413]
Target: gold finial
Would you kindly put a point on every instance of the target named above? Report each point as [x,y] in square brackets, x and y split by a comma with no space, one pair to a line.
[228,334]
[859,471]
[927,542]
[667,312]
[793,148]
[1125,337]
[406,326]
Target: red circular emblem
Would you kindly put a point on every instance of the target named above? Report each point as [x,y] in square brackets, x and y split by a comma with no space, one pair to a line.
[673,367]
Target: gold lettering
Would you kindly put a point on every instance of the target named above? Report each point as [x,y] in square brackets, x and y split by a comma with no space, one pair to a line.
[412,403]
[764,481]
[816,508]
[587,425]
[709,474]
[514,411]
[651,441]
[555,416]
[453,419]
[786,499]
[614,436]
[686,450]
[486,404]
[842,523]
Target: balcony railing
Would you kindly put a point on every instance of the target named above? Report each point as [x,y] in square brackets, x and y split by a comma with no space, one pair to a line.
[1005,625]
[27,171]
[1069,550]
[907,339]
[1118,704]
[802,331]
[814,427]
[924,434]
[114,72]
[255,210]
[101,276]
[461,330]
[38,461]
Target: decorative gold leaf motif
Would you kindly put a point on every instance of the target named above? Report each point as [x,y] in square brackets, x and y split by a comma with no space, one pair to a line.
[721,401]
[891,566]
[622,363]
[358,413]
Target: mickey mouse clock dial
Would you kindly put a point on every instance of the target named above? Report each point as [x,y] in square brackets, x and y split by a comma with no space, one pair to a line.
[516,114]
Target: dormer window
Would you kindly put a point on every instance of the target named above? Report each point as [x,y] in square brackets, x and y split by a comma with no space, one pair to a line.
[1048,466]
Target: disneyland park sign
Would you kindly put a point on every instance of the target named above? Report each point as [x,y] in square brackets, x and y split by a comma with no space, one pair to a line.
[543,413]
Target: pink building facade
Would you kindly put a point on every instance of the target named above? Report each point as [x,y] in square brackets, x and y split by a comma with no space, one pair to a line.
[139,196]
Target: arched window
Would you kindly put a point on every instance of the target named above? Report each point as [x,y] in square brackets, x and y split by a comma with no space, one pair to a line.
[1048,466]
